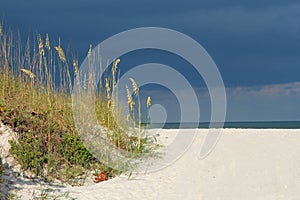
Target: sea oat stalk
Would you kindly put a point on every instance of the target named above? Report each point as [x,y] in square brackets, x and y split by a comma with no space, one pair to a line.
[61,53]
[136,93]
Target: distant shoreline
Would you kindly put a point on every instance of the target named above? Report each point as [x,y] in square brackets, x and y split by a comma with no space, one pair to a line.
[243,125]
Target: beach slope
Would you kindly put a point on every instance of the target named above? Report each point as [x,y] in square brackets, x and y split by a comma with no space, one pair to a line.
[245,164]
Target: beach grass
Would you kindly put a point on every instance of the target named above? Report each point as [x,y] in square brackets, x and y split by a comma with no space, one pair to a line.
[36,102]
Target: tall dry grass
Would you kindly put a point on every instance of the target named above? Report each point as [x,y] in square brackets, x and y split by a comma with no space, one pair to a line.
[35,100]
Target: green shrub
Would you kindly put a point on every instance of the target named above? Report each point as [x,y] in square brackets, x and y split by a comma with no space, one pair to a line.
[29,153]
[74,151]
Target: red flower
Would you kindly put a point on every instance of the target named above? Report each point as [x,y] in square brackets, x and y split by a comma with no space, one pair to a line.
[100,177]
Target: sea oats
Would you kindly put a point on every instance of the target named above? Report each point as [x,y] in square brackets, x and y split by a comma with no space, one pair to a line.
[61,53]
[116,62]
[115,65]
[129,99]
[0,30]
[135,86]
[41,46]
[148,101]
[28,72]
[90,50]
[47,43]
[107,88]
[75,65]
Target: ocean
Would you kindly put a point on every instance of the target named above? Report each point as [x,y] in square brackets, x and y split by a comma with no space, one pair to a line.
[244,125]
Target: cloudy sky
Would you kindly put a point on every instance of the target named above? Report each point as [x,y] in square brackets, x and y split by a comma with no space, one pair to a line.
[255,44]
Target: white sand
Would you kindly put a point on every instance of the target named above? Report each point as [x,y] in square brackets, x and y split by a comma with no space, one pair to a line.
[245,164]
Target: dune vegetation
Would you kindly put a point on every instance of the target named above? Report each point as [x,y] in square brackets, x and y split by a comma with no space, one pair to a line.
[36,81]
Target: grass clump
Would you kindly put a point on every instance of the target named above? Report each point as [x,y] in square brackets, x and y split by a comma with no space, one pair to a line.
[43,194]
[47,142]
[48,194]
[36,102]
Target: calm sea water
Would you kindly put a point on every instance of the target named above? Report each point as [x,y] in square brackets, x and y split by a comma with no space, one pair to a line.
[254,125]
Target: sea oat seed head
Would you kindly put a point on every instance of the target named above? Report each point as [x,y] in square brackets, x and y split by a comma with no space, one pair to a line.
[116,62]
[129,99]
[28,72]
[148,101]
[41,46]
[135,86]
[61,53]
[75,65]
[115,65]
[47,43]
[107,88]
[90,50]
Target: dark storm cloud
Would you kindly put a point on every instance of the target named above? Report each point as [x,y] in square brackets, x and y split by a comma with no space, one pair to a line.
[241,35]
[254,43]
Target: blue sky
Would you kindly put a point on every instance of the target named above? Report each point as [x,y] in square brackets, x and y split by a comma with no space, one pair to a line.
[255,44]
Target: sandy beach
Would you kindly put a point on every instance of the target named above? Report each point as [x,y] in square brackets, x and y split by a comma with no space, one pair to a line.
[245,164]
